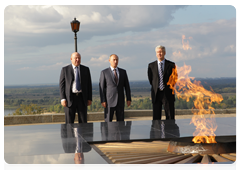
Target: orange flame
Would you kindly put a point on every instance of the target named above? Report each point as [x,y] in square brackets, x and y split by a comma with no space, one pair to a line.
[186,89]
[177,54]
[206,166]
[186,44]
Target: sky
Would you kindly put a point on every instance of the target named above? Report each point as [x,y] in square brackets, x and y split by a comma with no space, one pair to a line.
[38,40]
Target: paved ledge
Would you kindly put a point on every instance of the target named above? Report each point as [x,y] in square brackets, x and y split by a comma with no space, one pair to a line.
[94,116]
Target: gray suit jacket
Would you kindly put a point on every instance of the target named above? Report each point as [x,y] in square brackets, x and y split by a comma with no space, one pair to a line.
[66,80]
[111,92]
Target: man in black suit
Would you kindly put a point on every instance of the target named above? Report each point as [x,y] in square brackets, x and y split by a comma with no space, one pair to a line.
[158,75]
[75,89]
[113,81]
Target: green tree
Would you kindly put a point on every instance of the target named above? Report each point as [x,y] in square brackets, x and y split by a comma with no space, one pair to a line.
[28,110]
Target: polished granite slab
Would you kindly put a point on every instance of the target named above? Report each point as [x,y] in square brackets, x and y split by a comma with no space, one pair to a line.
[193,166]
[60,143]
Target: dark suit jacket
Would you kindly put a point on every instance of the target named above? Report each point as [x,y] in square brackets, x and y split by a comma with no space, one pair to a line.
[66,80]
[153,78]
[111,92]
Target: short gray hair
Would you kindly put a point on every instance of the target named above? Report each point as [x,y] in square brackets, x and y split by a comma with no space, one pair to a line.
[160,47]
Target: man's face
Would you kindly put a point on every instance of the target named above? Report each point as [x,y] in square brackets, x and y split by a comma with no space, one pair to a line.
[113,60]
[160,53]
[76,59]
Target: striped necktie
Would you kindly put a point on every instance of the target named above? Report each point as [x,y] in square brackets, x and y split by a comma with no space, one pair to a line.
[161,85]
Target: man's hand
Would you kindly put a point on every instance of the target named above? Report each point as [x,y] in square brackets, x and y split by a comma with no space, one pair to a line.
[89,102]
[64,103]
[104,104]
[128,103]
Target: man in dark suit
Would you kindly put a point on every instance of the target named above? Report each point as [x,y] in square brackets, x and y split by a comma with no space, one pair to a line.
[158,75]
[75,89]
[113,81]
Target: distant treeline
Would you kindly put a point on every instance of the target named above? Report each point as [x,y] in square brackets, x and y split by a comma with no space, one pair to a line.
[215,83]
[47,97]
[45,102]
[138,104]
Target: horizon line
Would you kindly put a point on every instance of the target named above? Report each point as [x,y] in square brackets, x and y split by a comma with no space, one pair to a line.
[47,84]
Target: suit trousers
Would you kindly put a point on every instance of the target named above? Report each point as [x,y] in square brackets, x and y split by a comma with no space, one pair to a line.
[109,112]
[77,106]
[161,99]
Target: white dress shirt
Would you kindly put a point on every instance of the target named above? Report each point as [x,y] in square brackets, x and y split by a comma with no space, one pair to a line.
[74,90]
[163,64]
[116,72]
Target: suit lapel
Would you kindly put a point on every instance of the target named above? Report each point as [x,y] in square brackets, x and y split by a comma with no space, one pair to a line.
[81,73]
[155,69]
[166,66]
[119,77]
[155,66]
[71,75]
[71,72]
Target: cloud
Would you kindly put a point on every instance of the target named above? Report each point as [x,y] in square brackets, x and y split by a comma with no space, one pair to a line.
[230,48]
[99,61]
[137,50]
[30,19]
[45,67]
[131,32]
[96,18]
[24,68]
[102,58]
[218,41]
[36,23]
[52,67]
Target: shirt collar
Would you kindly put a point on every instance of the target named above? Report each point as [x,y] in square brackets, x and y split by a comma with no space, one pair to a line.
[161,61]
[74,66]
[113,68]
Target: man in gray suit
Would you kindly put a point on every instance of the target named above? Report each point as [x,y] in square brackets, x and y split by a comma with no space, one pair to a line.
[113,81]
[75,89]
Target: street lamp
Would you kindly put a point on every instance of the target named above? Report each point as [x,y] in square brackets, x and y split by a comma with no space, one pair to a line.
[75,24]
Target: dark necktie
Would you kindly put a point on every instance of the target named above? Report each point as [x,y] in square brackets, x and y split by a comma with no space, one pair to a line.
[78,85]
[116,77]
[161,85]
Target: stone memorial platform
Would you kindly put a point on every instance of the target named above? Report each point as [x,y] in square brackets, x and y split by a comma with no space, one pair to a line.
[60,143]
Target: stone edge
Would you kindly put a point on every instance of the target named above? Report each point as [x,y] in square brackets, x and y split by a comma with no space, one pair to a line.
[94,116]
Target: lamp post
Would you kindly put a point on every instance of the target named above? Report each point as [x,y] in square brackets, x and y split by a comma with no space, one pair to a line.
[75,24]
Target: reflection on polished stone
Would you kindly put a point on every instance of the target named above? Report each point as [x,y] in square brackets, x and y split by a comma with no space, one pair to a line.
[115,131]
[162,129]
[71,143]
[91,157]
